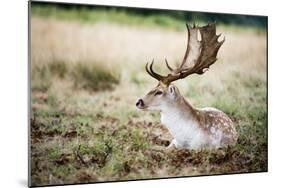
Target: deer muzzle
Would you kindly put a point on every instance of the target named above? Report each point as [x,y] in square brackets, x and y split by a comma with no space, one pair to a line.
[140,103]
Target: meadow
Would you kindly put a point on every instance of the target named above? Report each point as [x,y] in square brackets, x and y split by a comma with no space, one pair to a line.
[86,77]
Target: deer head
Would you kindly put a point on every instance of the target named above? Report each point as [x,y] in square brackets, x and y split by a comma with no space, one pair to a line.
[199,56]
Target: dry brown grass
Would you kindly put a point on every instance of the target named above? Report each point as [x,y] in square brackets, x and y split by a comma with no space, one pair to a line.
[73,42]
[129,48]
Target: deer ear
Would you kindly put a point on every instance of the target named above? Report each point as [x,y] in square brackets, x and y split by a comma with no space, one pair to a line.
[172,90]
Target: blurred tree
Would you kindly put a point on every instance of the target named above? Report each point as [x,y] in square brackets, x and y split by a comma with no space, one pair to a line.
[186,16]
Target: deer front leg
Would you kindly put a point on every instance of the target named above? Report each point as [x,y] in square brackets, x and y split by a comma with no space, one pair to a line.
[173,145]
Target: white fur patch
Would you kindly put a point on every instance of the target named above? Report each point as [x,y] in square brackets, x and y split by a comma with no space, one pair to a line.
[212,130]
[185,131]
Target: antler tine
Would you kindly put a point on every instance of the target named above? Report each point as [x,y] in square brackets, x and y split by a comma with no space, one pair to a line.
[194,25]
[169,67]
[152,73]
[187,48]
[160,77]
[147,70]
[221,42]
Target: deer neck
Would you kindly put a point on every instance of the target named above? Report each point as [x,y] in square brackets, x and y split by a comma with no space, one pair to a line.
[181,120]
[178,111]
[180,107]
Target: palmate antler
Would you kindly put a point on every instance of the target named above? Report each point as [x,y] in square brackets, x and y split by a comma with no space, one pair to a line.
[199,55]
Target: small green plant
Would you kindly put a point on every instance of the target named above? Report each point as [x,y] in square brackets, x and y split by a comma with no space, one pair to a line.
[42,75]
[41,78]
[58,68]
[94,77]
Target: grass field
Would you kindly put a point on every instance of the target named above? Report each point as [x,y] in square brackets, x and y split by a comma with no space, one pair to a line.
[86,77]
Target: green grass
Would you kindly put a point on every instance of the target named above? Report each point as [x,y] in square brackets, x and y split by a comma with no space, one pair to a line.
[94,77]
[41,78]
[112,15]
[160,20]
[118,147]
[59,68]
[119,144]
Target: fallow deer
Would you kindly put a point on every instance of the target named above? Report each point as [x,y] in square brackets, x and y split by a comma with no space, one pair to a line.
[190,127]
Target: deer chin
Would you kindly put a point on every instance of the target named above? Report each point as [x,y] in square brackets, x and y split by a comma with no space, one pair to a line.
[152,108]
[142,108]
[149,108]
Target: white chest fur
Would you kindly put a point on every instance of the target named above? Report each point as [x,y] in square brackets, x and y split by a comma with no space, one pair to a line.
[185,131]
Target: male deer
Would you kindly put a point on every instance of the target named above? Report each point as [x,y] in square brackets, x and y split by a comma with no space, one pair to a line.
[191,128]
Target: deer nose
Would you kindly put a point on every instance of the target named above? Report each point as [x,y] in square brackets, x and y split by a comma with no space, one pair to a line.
[139,102]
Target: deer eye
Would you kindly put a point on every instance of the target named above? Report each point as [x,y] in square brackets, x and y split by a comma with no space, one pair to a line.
[158,93]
